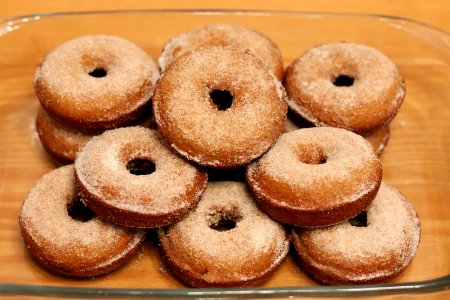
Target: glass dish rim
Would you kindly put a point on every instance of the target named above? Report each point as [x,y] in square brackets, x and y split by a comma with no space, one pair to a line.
[11,24]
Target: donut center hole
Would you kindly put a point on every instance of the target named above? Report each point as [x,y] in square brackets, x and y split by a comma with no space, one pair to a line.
[141,166]
[98,73]
[78,211]
[343,80]
[222,99]
[223,218]
[360,220]
[312,155]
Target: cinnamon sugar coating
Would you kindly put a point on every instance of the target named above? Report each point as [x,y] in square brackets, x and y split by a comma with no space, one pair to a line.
[371,96]
[94,83]
[67,246]
[158,198]
[219,34]
[202,254]
[346,254]
[197,128]
[316,176]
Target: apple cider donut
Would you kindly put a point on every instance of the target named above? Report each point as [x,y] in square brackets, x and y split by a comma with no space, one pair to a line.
[226,241]
[345,85]
[61,142]
[375,246]
[219,107]
[94,83]
[316,176]
[65,237]
[219,34]
[378,138]
[130,177]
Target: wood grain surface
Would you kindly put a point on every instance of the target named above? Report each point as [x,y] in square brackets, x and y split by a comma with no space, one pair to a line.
[416,160]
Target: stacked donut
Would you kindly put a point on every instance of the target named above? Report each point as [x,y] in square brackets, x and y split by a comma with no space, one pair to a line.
[220,110]
[346,85]
[89,85]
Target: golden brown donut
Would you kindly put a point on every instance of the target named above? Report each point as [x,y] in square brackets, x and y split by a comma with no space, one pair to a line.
[377,137]
[219,107]
[219,34]
[316,176]
[226,241]
[130,177]
[60,240]
[345,85]
[63,143]
[94,83]
[378,246]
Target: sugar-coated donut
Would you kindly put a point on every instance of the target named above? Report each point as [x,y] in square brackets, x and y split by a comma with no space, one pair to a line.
[219,107]
[377,137]
[226,241]
[316,176]
[63,143]
[130,177]
[68,246]
[377,247]
[94,83]
[219,34]
[345,85]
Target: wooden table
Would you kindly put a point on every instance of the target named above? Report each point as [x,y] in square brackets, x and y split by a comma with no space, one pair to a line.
[428,105]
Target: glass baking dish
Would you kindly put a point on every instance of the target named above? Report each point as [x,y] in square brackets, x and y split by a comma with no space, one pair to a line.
[416,160]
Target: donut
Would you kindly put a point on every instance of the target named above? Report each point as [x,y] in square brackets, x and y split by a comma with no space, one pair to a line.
[377,137]
[96,82]
[226,241]
[63,143]
[316,176]
[219,107]
[345,85]
[130,177]
[66,238]
[219,34]
[374,247]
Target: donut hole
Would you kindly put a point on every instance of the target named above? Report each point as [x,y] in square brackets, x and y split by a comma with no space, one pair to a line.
[221,99]
[98,72]
[312,155]
[141,166]
[359,220]
[223,218]
[343,80]
[78,211]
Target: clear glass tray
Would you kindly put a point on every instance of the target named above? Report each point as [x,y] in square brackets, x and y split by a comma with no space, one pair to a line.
[416,160]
